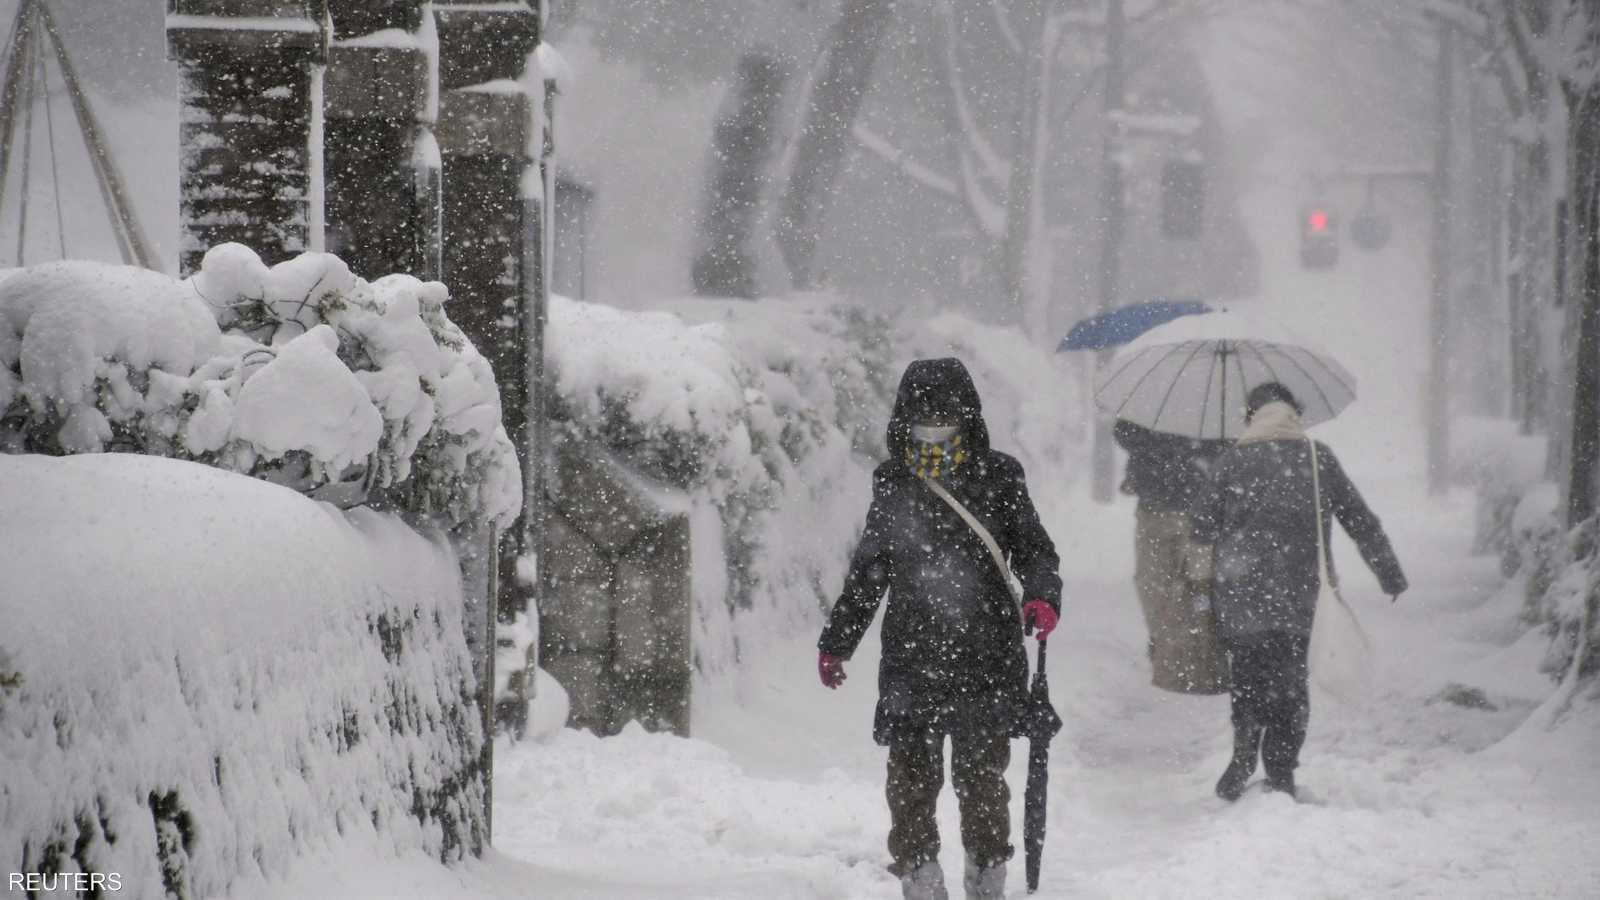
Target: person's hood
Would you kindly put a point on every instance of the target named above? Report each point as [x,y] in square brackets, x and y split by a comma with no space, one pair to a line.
[1274,422]
[937,385]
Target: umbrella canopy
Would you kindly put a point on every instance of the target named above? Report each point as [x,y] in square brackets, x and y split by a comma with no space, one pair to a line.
[1121,325]
[1190,376]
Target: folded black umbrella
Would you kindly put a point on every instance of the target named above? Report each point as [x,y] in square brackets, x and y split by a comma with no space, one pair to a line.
[1039,724]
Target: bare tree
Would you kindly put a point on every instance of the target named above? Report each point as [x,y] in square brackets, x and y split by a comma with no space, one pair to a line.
[830,107]
[740,150]
[1579,77]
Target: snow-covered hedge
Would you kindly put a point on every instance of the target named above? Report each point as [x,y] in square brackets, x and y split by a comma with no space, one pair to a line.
[1555,573]
[204,676]
[300,373]
[771,416]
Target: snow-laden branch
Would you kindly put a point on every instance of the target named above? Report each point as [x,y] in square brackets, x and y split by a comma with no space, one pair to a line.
[1512,89]
[1465,19]
[879,146]
[989,215]
[1516,26]
[994,165]
[1008,30]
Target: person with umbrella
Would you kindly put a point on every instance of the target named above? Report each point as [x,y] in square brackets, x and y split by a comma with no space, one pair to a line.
[1256,526]
[1165,471]
[945,507]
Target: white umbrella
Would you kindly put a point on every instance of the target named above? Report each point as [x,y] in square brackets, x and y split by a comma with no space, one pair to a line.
[1190,376]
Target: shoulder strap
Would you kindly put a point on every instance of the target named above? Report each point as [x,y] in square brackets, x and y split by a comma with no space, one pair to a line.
[1325,571]
[983,535]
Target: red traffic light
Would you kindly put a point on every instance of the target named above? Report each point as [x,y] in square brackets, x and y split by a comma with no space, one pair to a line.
[1317,221]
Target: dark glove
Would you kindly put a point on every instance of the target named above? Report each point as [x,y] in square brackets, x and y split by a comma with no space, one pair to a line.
[831,669]
[1037,614]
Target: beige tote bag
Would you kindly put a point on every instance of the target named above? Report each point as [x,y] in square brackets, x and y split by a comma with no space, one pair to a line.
[1341,651]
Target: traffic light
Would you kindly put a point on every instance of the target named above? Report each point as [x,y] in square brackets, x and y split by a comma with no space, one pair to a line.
[1370,229]
[1319,238]
[1183,199]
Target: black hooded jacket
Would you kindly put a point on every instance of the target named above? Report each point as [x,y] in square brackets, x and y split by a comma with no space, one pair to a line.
[952,636]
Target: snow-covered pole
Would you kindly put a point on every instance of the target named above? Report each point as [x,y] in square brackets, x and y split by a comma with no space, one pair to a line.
[1103,460]
[1438,394]
[316,174]
[489,249]
[539,201]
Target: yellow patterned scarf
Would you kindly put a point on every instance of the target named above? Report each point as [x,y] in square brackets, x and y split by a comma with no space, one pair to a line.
[934,459]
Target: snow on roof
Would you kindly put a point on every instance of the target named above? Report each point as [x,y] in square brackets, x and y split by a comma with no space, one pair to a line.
[395,38]
[497,86]
[553,66]
[241,23]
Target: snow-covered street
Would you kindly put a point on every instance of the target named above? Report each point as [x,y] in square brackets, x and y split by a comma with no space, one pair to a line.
[449,449]
[1408,793]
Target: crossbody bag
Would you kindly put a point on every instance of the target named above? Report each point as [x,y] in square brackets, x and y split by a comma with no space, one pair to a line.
[1013,585]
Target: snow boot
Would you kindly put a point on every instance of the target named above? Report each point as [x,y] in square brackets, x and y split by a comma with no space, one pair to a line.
[1246,740]
[1282,782]
[925,882]
[985,882]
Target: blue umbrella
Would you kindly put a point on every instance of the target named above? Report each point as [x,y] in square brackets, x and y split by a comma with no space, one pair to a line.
[1121,325]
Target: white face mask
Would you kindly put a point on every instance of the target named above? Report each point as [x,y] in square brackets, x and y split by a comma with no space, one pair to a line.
[934,434]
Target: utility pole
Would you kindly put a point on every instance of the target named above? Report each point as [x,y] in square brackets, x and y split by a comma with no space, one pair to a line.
[1103,465]
[1438,394]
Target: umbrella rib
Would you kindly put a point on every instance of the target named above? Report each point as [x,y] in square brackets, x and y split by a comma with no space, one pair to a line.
[1126,365]
[1199,345]
[1244,382]
[1205,399]
[1321,363]
[1142,378]
[1314,382]
[1261,358]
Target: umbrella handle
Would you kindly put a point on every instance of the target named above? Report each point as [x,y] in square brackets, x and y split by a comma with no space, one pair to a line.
[1038,668]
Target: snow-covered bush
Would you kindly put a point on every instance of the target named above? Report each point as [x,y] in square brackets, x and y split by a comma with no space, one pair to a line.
[1554,573]
[299,373]
[204,677]
[1502,465]
[771,417]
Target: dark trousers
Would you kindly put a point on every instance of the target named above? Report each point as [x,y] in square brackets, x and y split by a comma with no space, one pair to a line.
[1271,700]
[916,775]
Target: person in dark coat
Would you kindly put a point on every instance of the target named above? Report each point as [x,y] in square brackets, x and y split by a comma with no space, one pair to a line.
[1253,529]
[953,662]
[1165,471]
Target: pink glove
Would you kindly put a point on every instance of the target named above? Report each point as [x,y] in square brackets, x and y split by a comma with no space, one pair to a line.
[831,668]
[1037,614]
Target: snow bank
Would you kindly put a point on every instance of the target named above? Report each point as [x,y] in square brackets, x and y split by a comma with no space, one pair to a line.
[204,697]
[771,416]
[301,373]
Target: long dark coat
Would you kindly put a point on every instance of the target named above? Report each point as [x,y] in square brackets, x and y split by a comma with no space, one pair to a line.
[1258,511]
[953,657]
[1165,470]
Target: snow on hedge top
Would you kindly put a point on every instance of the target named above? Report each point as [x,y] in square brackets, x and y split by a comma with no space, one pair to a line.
[305,399]
[300,372]
[771,415]
[214,675]
[60,322]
